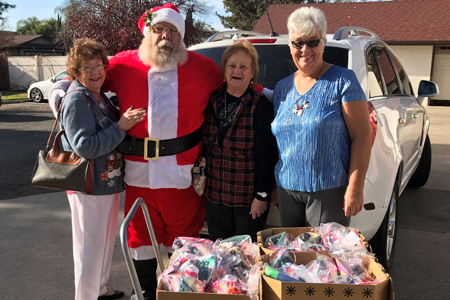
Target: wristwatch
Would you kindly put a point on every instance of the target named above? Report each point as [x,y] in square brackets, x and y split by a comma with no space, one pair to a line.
[262,196]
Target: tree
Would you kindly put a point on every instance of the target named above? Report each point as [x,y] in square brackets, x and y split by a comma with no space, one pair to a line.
[196,31]
[33,25]
[114,22]
[3,8]
[245,14]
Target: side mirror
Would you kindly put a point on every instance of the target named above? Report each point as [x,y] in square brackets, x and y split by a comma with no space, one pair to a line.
[52,79]
[427,89]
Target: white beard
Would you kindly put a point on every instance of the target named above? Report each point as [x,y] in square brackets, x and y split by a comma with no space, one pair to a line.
[155,56]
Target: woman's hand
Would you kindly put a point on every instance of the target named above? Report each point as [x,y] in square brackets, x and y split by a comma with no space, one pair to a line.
[353,201]
[131,117]
[258,208]
[356,116]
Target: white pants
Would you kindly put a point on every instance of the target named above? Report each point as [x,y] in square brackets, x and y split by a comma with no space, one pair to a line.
[94,225]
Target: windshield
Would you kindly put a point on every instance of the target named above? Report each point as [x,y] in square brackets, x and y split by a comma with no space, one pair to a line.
[275,61]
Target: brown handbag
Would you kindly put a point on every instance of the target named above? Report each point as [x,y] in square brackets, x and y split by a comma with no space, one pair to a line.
[63,170]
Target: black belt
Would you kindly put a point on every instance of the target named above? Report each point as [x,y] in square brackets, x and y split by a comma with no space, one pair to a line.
[153,148]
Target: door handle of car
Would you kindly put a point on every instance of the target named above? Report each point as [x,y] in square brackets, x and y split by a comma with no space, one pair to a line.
[401,121]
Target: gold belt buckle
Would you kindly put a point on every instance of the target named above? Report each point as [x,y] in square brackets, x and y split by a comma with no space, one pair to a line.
[156,157]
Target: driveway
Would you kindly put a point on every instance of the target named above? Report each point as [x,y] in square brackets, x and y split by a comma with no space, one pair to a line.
[35,237]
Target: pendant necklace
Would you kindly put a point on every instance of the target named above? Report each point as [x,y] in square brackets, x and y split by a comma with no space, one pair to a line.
[298,110]
[224,103]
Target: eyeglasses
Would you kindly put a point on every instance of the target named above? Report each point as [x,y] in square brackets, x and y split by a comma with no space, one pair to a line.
[160,29]
[97,68]
[311,43]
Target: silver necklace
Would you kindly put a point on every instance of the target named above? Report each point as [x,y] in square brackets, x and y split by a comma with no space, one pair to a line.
[225,104]
[298,110]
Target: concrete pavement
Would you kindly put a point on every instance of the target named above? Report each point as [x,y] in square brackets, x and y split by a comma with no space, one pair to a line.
[36,244]
[36,250]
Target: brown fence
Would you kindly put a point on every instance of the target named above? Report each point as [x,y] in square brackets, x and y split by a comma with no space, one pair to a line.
[4,72]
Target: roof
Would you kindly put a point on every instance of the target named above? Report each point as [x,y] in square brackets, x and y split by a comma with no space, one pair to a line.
[16,40]
[395,22]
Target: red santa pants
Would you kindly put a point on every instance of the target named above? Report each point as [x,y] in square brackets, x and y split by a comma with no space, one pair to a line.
[174,213]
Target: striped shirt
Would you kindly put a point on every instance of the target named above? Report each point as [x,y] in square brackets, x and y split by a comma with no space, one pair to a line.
[313,143]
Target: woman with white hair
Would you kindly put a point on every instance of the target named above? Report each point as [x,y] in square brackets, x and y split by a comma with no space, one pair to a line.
[322,129]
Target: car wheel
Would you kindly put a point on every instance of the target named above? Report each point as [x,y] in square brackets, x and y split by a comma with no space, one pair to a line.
[36,95]
[383,243]
[420,176]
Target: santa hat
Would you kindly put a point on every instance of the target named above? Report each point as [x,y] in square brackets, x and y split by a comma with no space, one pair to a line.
[166,13]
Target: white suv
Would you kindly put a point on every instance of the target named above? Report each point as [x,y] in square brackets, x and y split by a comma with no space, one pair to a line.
[401,151]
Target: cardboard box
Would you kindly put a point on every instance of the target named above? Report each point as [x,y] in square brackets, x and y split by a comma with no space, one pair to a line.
[264,234]
[278,290]
[166,295]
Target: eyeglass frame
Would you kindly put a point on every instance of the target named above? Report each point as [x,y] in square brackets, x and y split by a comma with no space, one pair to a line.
[97,68]
[302,43]
[164,29]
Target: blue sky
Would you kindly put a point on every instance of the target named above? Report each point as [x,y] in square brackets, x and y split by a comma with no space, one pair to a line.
[44,9]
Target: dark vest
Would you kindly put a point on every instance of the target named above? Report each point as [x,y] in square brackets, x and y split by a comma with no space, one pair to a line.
[231,169]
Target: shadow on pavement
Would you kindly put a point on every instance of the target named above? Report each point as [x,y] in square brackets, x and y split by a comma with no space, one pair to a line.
[421,261]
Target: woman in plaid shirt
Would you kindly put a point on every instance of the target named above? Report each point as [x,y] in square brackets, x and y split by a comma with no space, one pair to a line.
[240,165]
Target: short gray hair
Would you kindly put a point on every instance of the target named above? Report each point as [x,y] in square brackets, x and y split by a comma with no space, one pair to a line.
[306,20]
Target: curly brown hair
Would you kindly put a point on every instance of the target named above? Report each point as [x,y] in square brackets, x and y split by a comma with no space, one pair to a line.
[84,49]
[248,48]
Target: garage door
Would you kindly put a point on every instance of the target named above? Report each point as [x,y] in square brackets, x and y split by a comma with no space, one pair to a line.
[441,72]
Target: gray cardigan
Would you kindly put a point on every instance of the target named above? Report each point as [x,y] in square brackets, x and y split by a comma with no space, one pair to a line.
[93,134]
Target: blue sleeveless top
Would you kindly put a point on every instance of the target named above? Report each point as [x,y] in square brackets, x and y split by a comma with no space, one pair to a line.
[313,143]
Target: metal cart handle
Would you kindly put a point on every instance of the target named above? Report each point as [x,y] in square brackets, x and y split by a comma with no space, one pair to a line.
[126,249]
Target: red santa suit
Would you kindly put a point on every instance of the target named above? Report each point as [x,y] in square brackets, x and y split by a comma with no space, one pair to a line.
[175,98]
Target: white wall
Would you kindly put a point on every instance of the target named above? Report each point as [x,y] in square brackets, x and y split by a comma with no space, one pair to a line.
[25,70]
[417,62]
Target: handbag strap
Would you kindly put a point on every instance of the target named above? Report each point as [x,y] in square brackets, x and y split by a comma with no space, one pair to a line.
[57,118]
[87,97]
[229,120]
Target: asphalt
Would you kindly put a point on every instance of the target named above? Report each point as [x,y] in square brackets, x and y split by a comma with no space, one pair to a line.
[36,246]
[15,101]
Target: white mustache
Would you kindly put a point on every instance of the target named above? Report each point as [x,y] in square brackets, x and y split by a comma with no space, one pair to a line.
[165,44]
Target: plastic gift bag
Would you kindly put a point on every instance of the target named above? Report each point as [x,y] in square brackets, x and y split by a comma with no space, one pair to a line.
[282,240]
[228,284]
[324,268]
[337,237]
[280,257]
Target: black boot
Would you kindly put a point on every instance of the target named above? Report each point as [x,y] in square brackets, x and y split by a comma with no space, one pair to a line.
[146,272]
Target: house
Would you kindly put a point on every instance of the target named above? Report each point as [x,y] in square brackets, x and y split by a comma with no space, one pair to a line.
[416,30]
[28,45]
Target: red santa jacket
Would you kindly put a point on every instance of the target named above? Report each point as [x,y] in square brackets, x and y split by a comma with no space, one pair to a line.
[175,98]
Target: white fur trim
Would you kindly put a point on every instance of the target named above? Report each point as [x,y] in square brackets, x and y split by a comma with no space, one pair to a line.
[146,31]
[162,124]
[147,252]
[171,16]
[170,176]
[142,253]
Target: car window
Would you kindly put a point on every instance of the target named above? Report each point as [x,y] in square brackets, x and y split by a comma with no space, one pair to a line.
[60,76]
[374,76]
[406,84]
[275,61]
[387,71]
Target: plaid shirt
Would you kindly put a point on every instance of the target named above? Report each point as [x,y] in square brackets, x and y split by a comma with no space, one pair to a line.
[230,168]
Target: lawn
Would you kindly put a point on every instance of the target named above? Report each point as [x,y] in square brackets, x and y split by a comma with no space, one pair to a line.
[13,95]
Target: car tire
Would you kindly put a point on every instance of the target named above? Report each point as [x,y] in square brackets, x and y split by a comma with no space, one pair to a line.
[383,242]
[420,176]
[36,95]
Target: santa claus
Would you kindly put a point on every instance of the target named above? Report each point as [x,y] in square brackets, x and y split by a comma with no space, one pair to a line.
[174,85]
